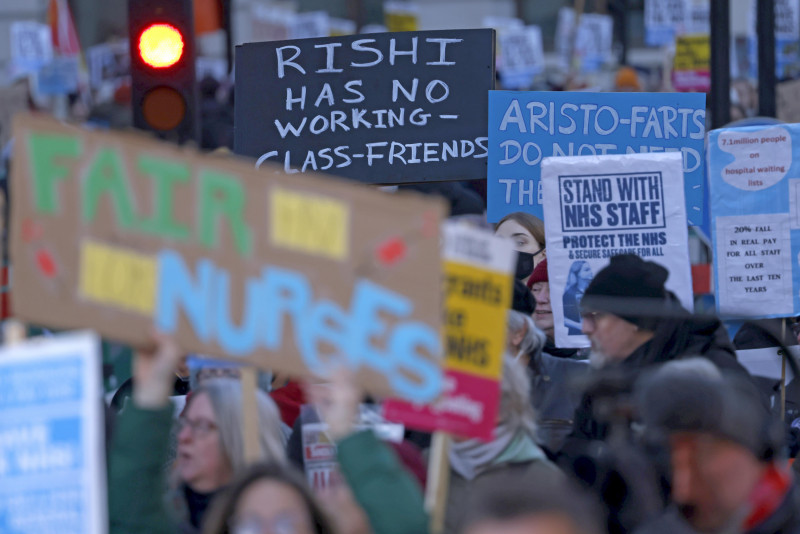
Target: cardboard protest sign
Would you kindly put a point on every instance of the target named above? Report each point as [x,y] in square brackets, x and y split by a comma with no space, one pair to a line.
[51,437]
[691,68]
[601,206]
[119,233]
[525,127]
[478,286]
[755,211]
[383,108]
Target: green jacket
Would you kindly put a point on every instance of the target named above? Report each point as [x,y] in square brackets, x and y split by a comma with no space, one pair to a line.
[136,481]
[388,494]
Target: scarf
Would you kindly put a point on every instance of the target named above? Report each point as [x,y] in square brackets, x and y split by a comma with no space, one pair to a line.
[470,458]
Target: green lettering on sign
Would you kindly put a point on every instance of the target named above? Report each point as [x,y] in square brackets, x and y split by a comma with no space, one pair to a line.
[166,175]
[106,176]
[45,151]
[222,196]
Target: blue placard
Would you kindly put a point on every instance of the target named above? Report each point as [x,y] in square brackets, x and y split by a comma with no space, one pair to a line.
[51,440]
[755,219]
[525,127]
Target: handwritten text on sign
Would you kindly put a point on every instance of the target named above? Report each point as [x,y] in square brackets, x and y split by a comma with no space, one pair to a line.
[525,127]
[387,108]
[287,273]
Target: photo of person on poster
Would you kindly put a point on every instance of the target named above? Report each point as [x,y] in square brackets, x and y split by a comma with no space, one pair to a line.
[580,274]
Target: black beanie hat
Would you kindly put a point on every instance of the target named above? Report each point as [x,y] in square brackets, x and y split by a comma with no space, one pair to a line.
[628,276]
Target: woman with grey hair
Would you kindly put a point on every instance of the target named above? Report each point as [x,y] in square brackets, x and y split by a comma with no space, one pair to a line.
[210,447]
[525,341]
[513,447]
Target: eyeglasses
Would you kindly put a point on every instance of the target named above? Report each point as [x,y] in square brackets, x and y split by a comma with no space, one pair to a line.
[590,318]
[283,523]
[199,427]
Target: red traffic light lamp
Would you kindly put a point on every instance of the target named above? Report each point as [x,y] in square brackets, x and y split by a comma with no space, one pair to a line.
[163,85]
[161,45]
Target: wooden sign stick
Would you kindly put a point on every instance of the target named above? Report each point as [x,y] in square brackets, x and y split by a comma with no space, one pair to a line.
[438,481]
[250,423]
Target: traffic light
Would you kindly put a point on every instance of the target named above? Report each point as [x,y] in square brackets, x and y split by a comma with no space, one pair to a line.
[163,85]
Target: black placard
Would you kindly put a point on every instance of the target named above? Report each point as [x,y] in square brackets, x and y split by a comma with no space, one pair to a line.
[383,108]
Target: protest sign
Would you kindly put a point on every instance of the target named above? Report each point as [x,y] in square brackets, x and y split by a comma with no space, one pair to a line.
[691,67]
[663,21]
[116,232]
[58,77]
[787,34]
[601,206]
[401,16]
[108,63]
[666,20]
[525,127]
[755,210]
[31,46]
[478,287]
[385,108]
[520,56]
[51,437]
[588,46]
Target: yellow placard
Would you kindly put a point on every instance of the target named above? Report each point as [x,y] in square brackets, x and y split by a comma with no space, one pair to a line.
[309,223]
[118,277]
[476,304]
[692,52]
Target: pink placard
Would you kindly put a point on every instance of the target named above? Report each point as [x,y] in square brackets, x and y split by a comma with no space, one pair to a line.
[468,408]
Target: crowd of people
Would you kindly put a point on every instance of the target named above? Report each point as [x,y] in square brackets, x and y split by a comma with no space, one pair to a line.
[655,427]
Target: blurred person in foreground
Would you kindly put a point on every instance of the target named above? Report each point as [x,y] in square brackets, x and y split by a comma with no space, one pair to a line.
[728,471]
[514,504]
[633,323]
[512,449]
[210,447]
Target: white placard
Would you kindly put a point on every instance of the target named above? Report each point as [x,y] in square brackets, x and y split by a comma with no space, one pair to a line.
[52,457]
[596,207]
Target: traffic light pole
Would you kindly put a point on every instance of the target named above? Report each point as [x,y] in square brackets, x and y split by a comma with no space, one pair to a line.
[720,98]
[765,29]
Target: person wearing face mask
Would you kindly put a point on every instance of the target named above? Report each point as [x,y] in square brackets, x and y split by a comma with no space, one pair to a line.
[527,233]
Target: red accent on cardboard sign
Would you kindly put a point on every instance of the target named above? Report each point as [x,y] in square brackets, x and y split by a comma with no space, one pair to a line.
[31,231]
[392,250]
[46,263]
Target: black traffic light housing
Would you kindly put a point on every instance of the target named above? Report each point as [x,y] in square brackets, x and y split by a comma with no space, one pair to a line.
[164,93]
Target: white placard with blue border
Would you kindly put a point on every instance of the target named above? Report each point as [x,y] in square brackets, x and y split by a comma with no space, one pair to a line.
[754,179]
[52,459]
[603,206]
[525,127]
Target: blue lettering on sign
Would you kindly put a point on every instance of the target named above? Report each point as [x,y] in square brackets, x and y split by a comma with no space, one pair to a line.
[280,295]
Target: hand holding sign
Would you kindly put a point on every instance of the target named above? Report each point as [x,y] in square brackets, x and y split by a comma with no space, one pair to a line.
[154,371]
